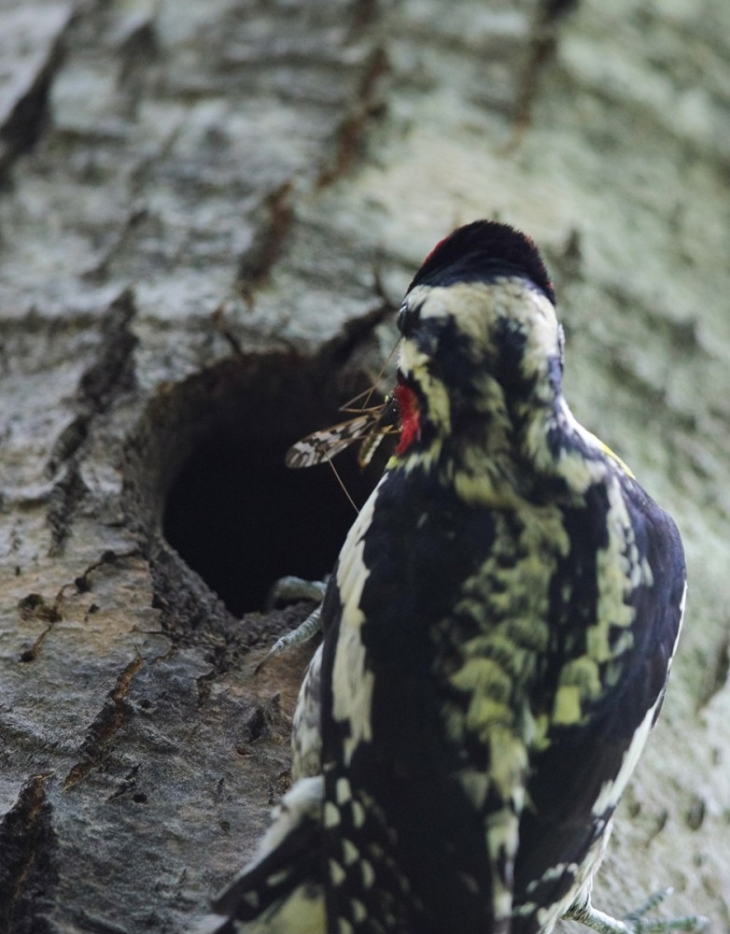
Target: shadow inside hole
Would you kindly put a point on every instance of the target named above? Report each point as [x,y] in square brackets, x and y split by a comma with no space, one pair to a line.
[242,519]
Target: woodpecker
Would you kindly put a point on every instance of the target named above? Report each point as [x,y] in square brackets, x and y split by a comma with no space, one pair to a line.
[497,637]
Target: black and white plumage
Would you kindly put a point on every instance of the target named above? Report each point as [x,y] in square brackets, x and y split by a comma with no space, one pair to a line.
[498,632]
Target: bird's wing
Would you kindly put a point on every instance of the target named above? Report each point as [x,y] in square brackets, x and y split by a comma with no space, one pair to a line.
[578,777]
[284,879]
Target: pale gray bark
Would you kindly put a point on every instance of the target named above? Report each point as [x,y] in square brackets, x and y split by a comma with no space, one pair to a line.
[207,212]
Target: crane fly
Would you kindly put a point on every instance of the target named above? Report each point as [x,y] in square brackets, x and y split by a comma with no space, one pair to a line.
[369,428]
[372,423]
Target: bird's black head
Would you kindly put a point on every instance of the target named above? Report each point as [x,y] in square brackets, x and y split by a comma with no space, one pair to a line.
[482,345]
[480,252]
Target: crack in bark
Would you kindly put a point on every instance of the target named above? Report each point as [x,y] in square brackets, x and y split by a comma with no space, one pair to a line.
[27,120]
[28,872]
[268,240]
[30,655]
[111,374]
[369,102]
[65,497]
[364,12]
[111,718]
[34,606]
[138,49]
[544,36]
[718,674]
[113,371]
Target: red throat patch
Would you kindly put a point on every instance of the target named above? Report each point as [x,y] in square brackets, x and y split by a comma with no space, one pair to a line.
[410,417]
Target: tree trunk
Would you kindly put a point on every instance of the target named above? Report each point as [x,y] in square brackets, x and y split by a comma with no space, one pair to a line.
[207,216]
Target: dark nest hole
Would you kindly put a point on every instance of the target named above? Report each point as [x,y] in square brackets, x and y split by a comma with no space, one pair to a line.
[208,470]
[242,519]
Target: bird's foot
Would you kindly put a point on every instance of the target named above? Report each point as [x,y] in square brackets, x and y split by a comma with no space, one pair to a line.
[289,589]
[636,922]
[295,588]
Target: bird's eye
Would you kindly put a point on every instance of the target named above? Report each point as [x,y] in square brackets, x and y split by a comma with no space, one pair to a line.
[407,319]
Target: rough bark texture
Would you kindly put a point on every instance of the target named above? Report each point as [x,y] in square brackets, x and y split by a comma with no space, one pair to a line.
[207,212]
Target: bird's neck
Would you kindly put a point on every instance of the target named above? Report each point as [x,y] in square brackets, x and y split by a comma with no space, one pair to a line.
[533,450]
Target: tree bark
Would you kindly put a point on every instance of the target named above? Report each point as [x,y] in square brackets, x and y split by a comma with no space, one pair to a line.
[208,213]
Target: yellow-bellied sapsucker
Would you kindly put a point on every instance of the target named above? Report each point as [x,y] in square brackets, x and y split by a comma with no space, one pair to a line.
[498,632]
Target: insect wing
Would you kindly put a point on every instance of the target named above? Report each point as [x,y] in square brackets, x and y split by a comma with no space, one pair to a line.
[325,444]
